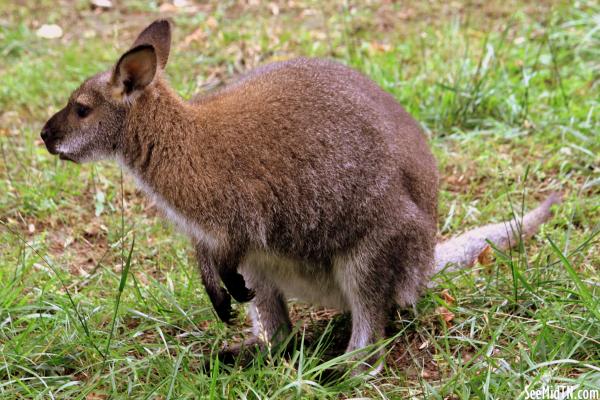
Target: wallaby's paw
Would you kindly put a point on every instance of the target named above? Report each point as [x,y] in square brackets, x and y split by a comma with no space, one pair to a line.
[236,286]
[222,307]
[243,295]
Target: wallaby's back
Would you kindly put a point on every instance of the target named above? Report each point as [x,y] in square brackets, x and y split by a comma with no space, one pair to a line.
[319,148]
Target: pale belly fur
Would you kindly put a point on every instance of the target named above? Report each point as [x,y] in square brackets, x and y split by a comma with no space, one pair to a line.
[296,279]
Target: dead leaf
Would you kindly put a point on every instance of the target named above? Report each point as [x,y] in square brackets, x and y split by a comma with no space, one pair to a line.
[167,8]
[212,23]
[51,31]
[96,396]
[381,47]
[456,180]
[106,4]
[195,36]
[446,315]
[274,9]
[486,257]
[92,229]
[466,357]
[68,241]
[447,297]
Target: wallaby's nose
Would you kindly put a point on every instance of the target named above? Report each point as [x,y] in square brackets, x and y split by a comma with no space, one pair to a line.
[45,134]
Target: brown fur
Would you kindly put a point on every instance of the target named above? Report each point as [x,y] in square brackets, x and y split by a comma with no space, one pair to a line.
[304,176]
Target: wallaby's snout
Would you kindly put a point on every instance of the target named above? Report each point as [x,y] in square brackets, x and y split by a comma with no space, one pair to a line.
[52,134]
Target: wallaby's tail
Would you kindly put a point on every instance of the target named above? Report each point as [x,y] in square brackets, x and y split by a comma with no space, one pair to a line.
[462,251]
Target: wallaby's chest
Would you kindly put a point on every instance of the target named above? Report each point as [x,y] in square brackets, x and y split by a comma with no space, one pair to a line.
[186,225]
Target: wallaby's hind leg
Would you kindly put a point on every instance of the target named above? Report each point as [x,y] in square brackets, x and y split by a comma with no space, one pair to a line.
[388,267]
[414,265]
[366,279]
[270,319]
[268,310]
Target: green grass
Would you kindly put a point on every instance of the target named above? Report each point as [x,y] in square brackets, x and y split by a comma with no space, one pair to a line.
[508,95]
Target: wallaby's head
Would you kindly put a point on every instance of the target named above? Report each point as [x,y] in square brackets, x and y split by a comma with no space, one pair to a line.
[90,127]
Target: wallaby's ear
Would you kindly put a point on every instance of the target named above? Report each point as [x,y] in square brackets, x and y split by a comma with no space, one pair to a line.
[157,34]
[135,70]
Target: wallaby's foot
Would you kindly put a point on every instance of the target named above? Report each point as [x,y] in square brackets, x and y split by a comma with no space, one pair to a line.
[268,310]
[242,353]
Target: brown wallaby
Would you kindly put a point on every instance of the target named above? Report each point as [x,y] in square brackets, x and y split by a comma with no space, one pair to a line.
[302,179]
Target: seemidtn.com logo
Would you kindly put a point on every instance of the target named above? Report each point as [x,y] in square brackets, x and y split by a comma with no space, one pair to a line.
[562,392]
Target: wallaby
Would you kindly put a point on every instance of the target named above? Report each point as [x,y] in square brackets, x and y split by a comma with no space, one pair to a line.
[302,179]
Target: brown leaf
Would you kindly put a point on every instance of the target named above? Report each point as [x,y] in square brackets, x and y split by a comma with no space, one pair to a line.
[103,4]
[91,230]
[486,258]
[96,396]
[456,180]
[446,315]
[212,23]
[381,47]
[195,36]
[447,297]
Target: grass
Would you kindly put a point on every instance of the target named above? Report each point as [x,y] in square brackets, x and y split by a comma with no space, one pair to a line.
[508,95]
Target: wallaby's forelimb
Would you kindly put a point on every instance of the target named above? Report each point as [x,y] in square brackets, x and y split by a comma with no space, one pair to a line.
[213,271]
[236,286]
[219,297]
[462,251]
[227,266]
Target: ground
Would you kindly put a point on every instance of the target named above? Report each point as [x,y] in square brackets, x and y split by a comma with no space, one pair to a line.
[507,94]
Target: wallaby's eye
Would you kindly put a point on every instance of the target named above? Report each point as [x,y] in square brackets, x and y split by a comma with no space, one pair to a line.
[82,111]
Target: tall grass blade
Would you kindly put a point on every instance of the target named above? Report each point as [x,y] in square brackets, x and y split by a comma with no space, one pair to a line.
[124,273]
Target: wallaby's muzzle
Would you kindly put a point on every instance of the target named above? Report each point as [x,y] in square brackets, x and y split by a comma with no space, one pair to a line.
[52,135]
[47,137]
